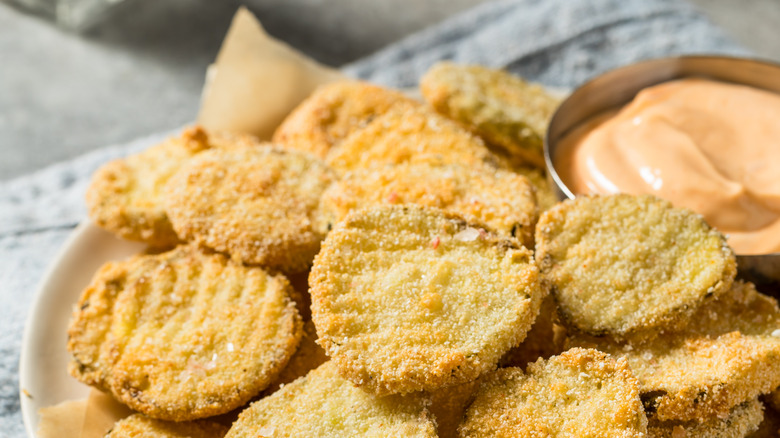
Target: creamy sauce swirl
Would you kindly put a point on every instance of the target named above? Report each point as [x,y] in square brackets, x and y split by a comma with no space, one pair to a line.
[710,146]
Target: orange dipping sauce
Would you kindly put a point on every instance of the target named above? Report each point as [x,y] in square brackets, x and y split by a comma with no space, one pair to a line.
[713,147]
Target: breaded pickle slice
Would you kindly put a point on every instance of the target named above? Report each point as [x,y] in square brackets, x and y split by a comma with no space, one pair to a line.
[545,194]
[410,133]
[407,298]
[741,421]
[581,393]
[728,354]
[307,357]
[323,404]
[546,338]
[125,196]
[256,204]
[499,107]
[333,112]
[141,426]
[624,265]
[500,199]
[448,406]
[182,335]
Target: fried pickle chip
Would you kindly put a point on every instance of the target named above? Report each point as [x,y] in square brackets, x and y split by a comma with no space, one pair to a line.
[141,426]
[500,199]
[728,354]
[126,195]
[741,421]
[256,204]
[409,298]
[581,393]
[308,357]
[333,112]
[323,404]
[624,265]
[448,406]
[499,107]
[545,193]
[545,339]
[409,133]
[184,334]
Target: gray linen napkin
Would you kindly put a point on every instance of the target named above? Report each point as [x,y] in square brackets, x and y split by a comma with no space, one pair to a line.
[560,43]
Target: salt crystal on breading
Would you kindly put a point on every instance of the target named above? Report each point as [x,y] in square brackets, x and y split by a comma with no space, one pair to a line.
[266,432]
[776,333]
[467,235]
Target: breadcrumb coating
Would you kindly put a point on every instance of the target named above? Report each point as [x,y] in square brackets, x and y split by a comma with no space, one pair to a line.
[494,104]
[333,112]
[409,133]
[581,393]
[408,298]
[323,404]
[545,192]
[258,205]
[125,196]
[545,339]
[741,421]
[500,199]
[630,266]
[182,335]
[307,357]
[728,354]
[141,426]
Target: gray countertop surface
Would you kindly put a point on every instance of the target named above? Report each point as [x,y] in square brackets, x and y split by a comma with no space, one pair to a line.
[141,70]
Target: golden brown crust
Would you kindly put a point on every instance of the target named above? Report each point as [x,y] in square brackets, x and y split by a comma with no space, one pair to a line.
[322,404]
[546,338]
[182,335]
[581,393]
[407,298]
[333,112]
[630,266]
[545,191]
[126,196]
[741,421]
[728,354]
[409,133]
[141,426]
[307,357]
[499,107]
[500,199]
[256,204]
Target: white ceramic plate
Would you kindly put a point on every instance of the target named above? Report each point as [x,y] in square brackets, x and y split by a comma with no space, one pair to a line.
[43,367]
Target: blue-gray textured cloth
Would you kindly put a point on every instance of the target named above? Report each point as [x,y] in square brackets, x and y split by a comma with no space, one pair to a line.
[560,43]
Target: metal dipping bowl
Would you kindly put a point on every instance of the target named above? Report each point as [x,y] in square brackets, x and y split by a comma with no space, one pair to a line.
[618,87]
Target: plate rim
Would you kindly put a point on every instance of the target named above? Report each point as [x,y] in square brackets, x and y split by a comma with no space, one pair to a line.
[43,289]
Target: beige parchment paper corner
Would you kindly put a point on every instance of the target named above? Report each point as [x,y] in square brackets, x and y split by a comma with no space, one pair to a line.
[257,80]
[91,417]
